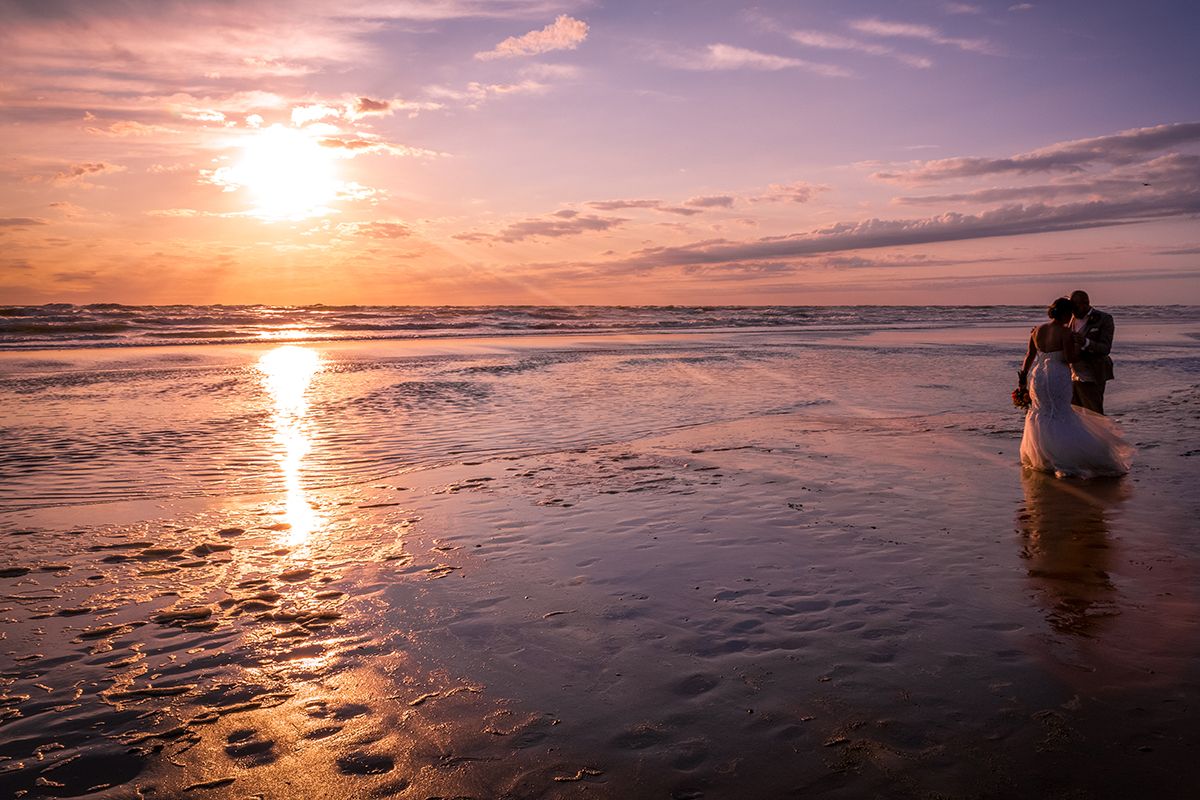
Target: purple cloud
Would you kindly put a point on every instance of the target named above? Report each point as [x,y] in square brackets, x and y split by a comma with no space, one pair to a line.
[566,222]
[1012,220]
[711,201]
[1073,156]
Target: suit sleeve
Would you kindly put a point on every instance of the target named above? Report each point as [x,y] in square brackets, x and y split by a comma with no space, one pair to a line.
[1101,342]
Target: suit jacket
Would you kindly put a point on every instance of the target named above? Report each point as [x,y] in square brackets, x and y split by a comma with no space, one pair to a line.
[1094,362]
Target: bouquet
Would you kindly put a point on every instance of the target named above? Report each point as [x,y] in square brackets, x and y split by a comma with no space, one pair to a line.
[1020,395]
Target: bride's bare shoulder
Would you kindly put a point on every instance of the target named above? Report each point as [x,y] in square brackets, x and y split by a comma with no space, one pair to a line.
[1047,337]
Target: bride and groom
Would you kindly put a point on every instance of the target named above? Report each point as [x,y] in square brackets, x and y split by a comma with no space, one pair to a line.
[1065,370]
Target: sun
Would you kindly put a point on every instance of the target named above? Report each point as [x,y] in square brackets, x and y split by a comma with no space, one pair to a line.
[289,175]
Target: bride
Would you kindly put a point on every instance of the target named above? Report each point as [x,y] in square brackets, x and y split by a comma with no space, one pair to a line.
[1061,438]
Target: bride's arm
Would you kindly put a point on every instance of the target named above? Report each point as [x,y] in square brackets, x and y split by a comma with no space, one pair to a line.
[1029,355]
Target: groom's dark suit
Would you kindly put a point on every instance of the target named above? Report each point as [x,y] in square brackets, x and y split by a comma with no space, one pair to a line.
[1094,366]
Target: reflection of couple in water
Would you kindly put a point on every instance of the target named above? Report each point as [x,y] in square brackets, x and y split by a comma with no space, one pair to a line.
[1064,533]
[1065,370]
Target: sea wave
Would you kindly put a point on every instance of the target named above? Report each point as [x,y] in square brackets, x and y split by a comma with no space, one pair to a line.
[61,325]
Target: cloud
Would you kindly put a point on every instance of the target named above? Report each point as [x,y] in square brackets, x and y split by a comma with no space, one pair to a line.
[539,71]
[302,115]
[128,127]
[1072,156]
[20,222]
[905,30]
[379,229]
[182,213]
[833,41]
[962,8]
[76,172]
[203,115]
[68,210]
[797,192]
[476,93]
[711,201]
[1011,220]
[1163,174]
[132,55]
[719,57]
[566,222]
[1021,7]
[657,205]
[565,33]
[616,205]
[355,109]
[351,146]
[367,107]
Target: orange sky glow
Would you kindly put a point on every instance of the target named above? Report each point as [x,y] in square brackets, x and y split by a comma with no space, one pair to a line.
[464,152]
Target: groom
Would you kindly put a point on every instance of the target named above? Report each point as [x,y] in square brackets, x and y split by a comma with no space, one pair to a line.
[1094,330]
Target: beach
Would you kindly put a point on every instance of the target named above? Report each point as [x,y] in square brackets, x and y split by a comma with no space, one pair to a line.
[794,562]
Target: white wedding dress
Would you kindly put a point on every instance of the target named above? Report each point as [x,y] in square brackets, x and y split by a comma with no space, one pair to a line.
[1065,439]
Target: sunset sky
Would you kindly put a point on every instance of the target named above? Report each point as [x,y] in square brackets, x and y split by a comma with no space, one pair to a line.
[468,151]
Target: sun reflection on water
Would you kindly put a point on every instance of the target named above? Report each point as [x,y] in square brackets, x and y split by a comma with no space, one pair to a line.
[287,373]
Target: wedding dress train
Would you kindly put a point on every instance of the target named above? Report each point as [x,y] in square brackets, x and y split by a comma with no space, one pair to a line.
[1065,439]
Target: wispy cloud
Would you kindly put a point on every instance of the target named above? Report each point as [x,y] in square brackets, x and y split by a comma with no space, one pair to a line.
[476,93]
[616,205]
[128,127]
[832,41]
[566,222]
[378,229]
[796,192]
[1167,173]
[729,57]
[351,146]
[874,26]
[1072,156]
[565,33]
[1015,220]
[86,169]
[711,201]
[136,54]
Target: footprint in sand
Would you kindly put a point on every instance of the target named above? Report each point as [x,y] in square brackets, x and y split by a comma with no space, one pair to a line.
[321,732]
[639,738]
[321,709]
[390,788]
[696,685]
[689,755]
[245,747]
[360,763]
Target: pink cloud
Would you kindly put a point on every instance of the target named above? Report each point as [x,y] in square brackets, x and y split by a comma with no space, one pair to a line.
[565,33]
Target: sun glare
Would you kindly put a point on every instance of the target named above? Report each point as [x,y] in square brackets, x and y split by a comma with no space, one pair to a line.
[289,175]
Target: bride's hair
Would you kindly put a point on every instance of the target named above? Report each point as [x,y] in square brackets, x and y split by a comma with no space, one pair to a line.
[1061,310]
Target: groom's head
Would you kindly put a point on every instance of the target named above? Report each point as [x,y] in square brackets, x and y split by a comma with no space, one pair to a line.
[1080,302]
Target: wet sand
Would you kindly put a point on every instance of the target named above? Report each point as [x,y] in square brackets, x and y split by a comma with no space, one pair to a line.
[811,604]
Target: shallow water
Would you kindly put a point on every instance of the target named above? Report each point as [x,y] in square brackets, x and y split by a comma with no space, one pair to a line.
[88,426]
[751,564]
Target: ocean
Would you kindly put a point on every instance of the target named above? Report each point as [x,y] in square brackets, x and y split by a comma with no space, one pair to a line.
[113,325]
